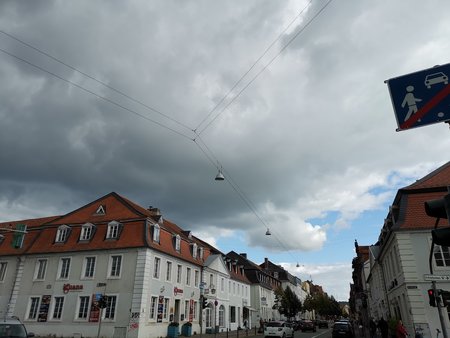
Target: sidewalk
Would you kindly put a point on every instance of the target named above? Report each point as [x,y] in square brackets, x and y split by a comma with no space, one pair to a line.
[233,334]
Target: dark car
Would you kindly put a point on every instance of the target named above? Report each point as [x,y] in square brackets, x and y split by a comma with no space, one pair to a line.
[323,324]
[342,330]
[308,325]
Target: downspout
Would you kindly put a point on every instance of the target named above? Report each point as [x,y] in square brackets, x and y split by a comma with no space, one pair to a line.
[385,289]
[10,307]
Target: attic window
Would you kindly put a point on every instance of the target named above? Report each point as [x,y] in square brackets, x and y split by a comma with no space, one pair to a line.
[194,250]
[156,233]
[101,210]
[177,243]
[87,231]
[114,230]
[200,253]
[62,234]
[2,238]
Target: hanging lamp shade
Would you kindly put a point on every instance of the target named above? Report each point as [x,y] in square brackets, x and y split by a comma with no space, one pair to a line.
[298,265]
[219,176]
[268,232]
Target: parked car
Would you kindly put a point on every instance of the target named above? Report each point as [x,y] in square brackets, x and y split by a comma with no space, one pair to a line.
[342,329]
[299,325]
[13,327]
[323,324]
[280,329]
[308,325]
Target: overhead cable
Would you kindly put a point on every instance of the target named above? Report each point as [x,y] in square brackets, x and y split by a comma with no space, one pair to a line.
[96,80]
[96,95]
[264,67]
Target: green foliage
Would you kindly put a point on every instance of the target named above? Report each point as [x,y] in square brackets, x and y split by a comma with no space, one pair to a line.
[287,302]
[322,304]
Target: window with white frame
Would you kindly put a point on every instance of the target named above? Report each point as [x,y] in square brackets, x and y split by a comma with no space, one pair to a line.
[153,304]
[195,310]
[156,233]
[177,243]
[40,269]
[3,266]
[188,276]
[115,265]
[110,310]
[58,303]
[87,230]
[166,307]
[33,307]
[63,268]
[200,253]
[186,309]
[222,316]
[83,307]
[89,267]
[179,273]
[442,255]
[208,317]
[113,231]
[156,267]
[169,271]
[62,234]
[196,278]
[194,250]
[232,314]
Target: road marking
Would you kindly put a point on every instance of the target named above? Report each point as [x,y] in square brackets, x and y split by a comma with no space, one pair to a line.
[321,333]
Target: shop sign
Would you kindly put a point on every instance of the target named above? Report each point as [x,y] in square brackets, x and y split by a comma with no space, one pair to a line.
[72,287]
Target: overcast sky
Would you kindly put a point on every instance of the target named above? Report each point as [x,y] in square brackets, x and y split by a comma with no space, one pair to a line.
[287,97]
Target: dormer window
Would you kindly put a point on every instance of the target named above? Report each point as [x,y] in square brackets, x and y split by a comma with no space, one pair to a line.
[200,253]
[87,231]
[177,243]
[114,230]
[156,233]
[194,250]
[62,234]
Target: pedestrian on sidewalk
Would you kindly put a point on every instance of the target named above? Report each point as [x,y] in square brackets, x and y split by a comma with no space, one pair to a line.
[401,330]
[372,328]
[384,327]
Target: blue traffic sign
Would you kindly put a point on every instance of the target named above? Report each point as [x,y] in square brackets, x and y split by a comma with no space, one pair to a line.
[421,98]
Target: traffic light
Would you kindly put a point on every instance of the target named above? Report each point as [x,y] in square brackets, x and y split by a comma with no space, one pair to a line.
[441,236]
[204,303]
[445,297]
[432,297]
[102,302]
[438,208]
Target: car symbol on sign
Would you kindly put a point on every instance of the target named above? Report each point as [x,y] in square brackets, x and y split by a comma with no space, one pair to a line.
[435,78]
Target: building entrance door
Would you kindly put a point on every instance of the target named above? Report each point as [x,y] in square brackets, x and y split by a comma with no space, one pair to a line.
[176,314]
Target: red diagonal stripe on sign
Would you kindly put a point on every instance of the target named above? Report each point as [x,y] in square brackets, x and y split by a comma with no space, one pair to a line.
[426,108]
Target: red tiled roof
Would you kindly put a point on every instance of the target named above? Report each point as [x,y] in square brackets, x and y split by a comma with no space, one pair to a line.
[437,178]
[412,198]
[42,231]
[415,216]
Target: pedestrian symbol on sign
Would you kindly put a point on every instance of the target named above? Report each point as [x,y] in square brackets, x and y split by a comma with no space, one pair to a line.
[411,101]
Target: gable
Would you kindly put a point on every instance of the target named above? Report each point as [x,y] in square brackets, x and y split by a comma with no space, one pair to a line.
[107,208]
[215,262]
[437,178]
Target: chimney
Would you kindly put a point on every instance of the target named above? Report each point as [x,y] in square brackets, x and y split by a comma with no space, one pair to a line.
[156,211]
[243,255]
[266,263]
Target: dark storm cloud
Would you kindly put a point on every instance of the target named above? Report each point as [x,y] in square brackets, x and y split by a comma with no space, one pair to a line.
[310,127]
